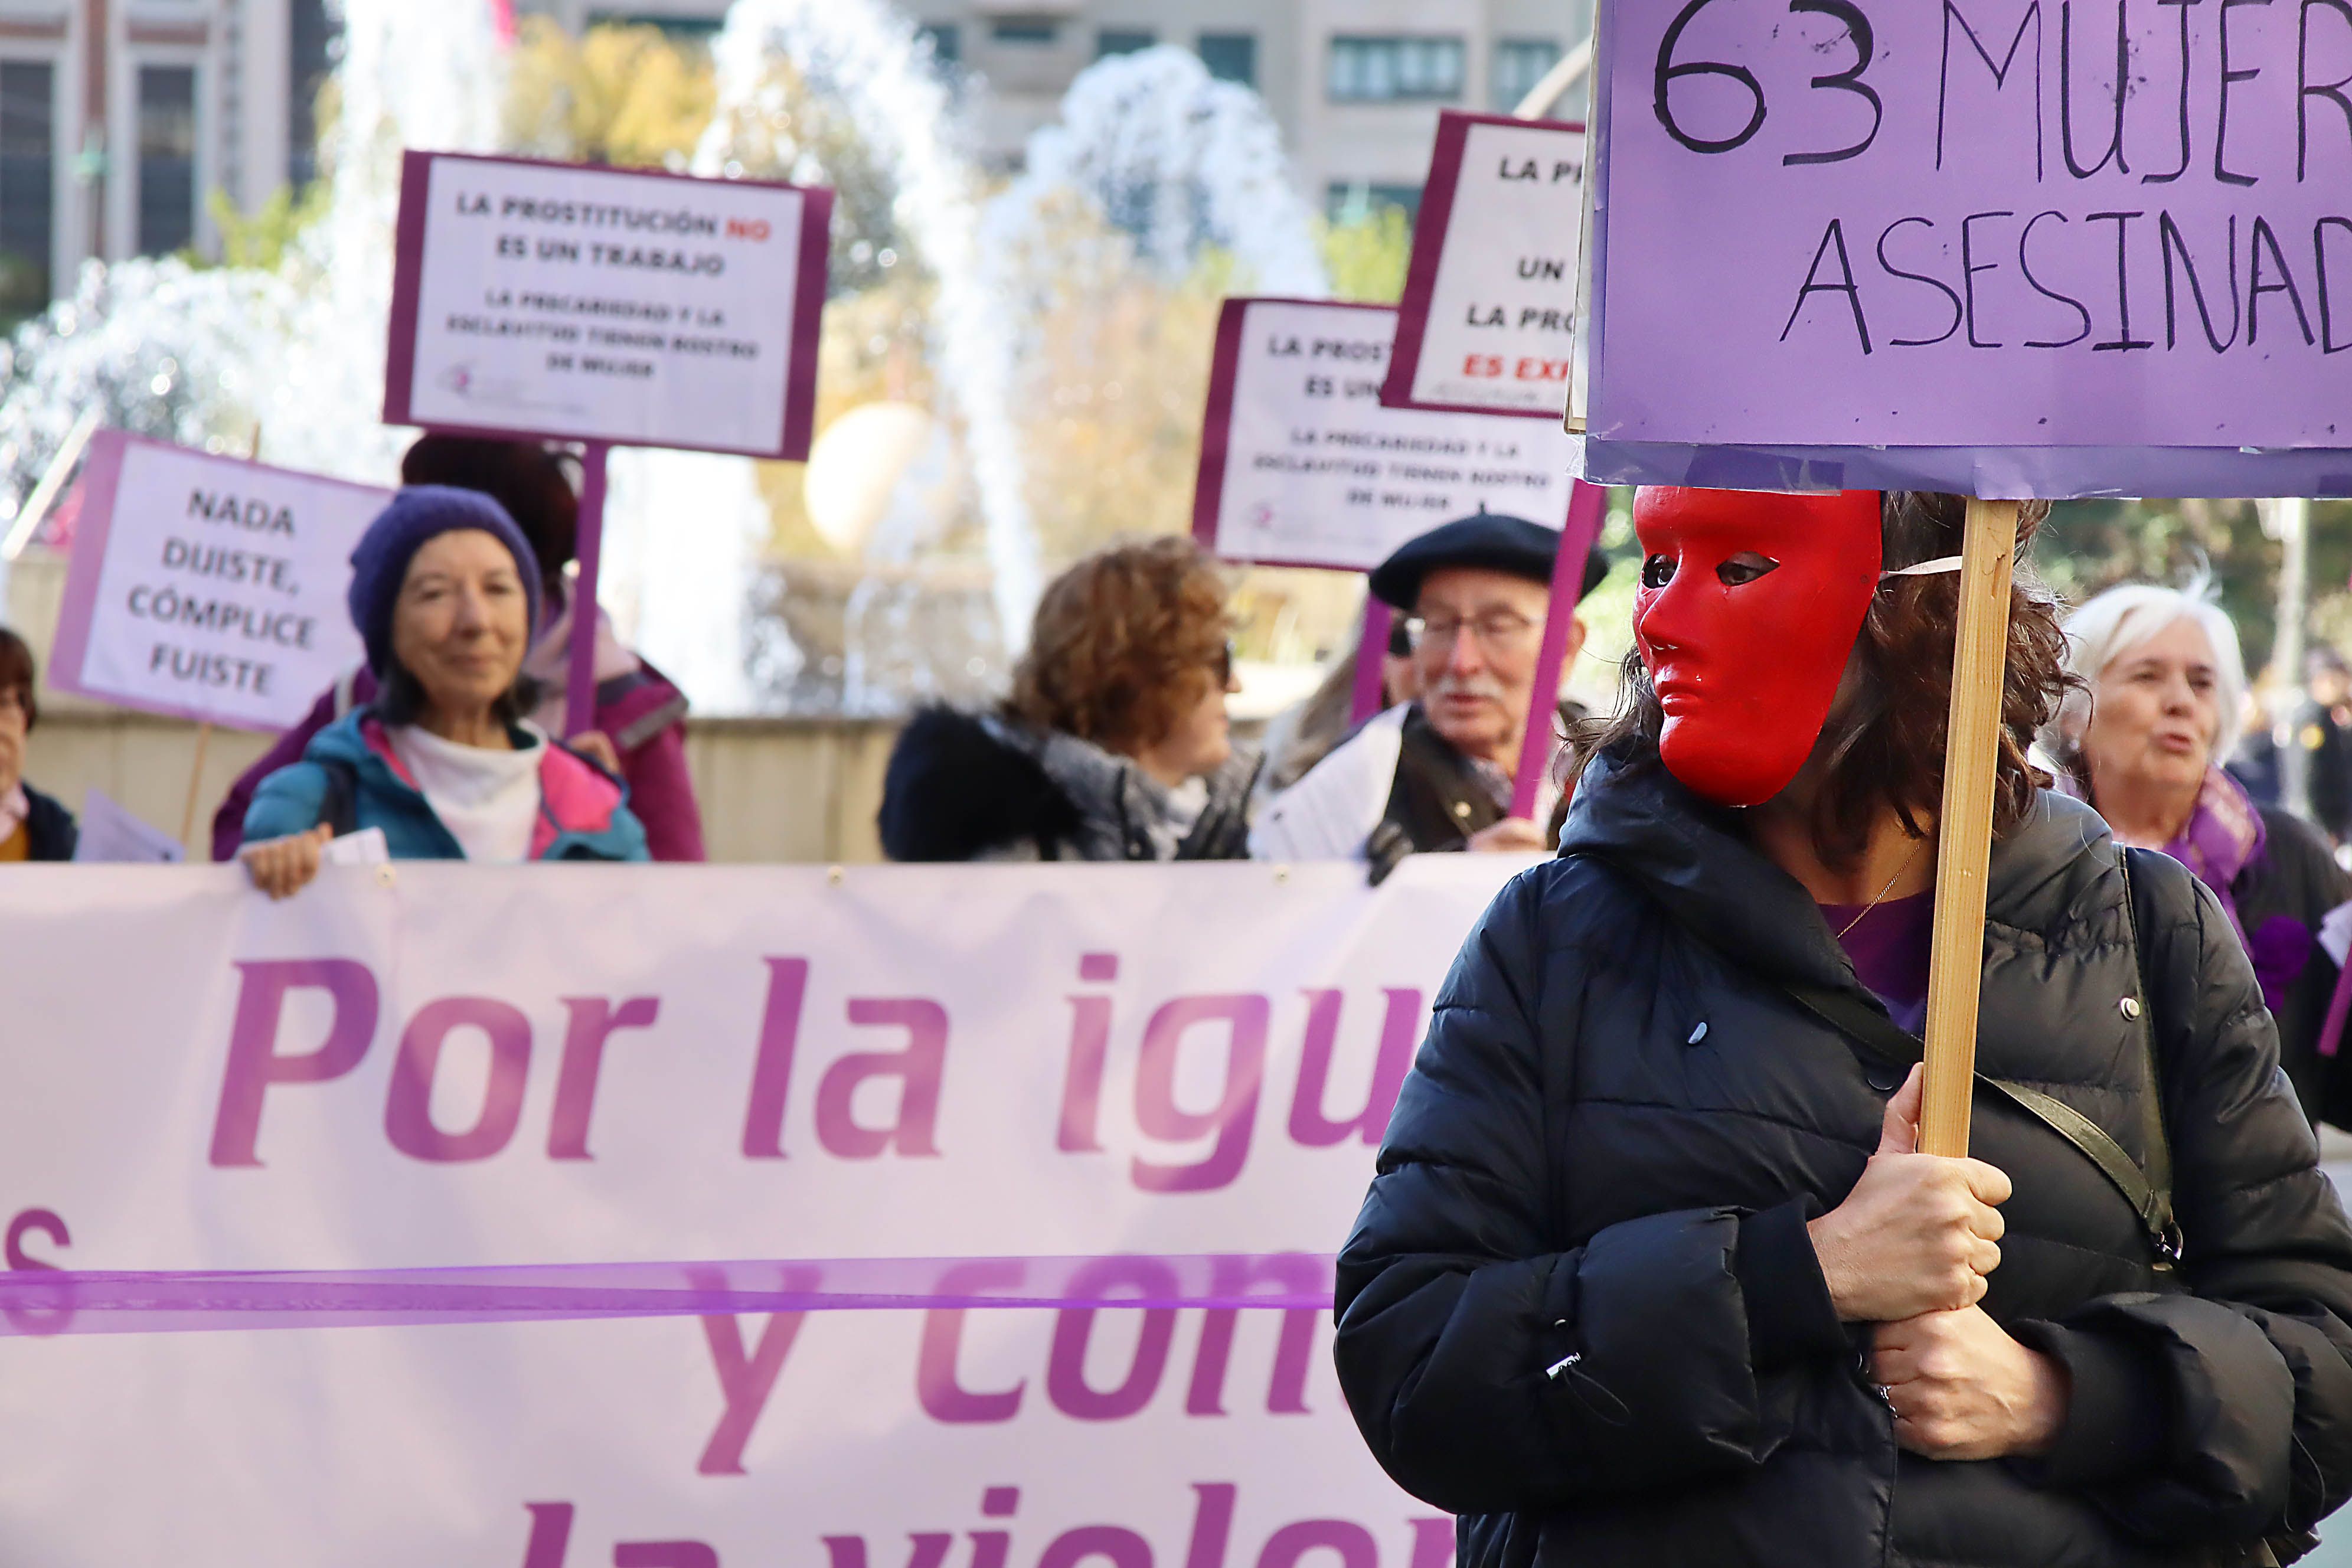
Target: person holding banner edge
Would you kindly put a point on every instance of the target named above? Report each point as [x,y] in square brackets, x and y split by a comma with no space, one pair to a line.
[640,715]
[1650,1271]
[444,592]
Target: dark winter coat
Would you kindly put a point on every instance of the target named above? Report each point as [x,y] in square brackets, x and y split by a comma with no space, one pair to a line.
[1617,1126]
[2282,896]
[50,831]
[977,786]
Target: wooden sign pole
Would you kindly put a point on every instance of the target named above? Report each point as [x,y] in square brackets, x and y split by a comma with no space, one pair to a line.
[1964,830]
[580,659]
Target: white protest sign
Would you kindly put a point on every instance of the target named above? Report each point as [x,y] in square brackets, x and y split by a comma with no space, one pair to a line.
[626,306]
[208,587]
[471,1065]
[1489,318]
[1301,466]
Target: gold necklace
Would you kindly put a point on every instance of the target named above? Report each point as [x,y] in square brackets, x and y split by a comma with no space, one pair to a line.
[1883,892]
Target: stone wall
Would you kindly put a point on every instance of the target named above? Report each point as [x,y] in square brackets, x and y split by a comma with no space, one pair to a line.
[772,789]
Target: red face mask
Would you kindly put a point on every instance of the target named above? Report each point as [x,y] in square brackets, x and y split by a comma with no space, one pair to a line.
[1749,608]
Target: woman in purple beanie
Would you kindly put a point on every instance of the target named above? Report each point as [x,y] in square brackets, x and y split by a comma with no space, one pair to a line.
[639,714]
[445,592]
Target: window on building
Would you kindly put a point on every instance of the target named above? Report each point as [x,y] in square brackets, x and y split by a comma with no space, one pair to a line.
[315,36]
[1026,30]
[1519,65]
[946,40]
[1392,71]
[1231,57]
[1354,201]
[1122,41]
[28,194]
[676,28]
[167,159]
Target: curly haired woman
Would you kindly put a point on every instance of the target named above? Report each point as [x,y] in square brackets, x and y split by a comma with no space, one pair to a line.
[1114,744]
[1653,1271]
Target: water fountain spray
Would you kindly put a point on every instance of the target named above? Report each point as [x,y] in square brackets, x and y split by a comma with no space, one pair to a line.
[867,56]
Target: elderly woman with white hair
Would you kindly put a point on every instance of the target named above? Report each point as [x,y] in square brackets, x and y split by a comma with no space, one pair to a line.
[2143,741]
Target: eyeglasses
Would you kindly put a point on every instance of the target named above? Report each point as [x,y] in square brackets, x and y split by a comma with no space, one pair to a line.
[1223,666]
[1497,631]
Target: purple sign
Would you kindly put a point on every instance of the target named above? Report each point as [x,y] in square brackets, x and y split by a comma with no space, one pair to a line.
[2083,247]
[629,306]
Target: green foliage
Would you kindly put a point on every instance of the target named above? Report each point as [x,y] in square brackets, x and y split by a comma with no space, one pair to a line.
[1367,256]
[626,94]
[2088,546]
[262,240]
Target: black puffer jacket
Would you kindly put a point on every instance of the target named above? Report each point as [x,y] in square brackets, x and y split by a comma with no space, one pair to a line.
[2296,878]
[1615,1129]
[980,787]
[50,826]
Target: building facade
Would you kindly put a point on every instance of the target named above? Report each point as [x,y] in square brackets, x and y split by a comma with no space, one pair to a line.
[1355,84]
[120,119]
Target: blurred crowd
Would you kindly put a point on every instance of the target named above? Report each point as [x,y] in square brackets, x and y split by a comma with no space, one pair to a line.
[1114,742]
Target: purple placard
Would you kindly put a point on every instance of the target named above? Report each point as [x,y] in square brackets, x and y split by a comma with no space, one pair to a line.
[799,417]
[1372,655]
[2055,473]
[579,658]
[101,480]
[1216,422]
[1509,468]
[101,473]
[1587,509]
[1691,375]
[1428,250]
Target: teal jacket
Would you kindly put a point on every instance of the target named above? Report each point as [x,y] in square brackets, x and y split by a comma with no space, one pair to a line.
[583,810]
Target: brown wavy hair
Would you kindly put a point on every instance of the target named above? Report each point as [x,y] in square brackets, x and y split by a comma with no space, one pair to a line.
[19,673]
[1124,643]
[1884,738]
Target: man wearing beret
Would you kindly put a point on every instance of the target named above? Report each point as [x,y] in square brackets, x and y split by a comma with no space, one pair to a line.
[1436,773]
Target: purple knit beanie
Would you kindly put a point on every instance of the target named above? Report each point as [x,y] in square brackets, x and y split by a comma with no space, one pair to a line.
[418,514]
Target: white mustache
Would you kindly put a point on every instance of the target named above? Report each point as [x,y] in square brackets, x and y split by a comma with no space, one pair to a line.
[1472,686]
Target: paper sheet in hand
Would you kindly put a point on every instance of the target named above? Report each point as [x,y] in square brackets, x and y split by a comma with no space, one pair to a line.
[109,832]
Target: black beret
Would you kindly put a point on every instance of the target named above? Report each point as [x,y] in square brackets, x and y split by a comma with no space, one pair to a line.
[1489,541]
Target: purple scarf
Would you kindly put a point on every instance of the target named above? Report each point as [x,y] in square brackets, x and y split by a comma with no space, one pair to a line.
[2225,835]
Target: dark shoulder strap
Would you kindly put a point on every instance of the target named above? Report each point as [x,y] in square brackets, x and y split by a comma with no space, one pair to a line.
[1882,1036]
[339,803]
[2153,1134]
[2149,1191]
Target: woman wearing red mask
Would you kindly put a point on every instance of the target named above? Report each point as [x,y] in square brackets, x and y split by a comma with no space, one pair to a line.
[1652,1273]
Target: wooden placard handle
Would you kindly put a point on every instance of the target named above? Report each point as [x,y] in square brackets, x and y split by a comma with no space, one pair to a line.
[1964,829]
[579,658]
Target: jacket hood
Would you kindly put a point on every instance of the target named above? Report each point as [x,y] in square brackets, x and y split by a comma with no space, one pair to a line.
[1689,854]
[958,788]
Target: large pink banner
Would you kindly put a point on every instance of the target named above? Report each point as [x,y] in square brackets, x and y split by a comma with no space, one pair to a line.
[835,1128]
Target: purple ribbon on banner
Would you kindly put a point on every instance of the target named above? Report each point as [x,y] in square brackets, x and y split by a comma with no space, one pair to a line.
[44,1301]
